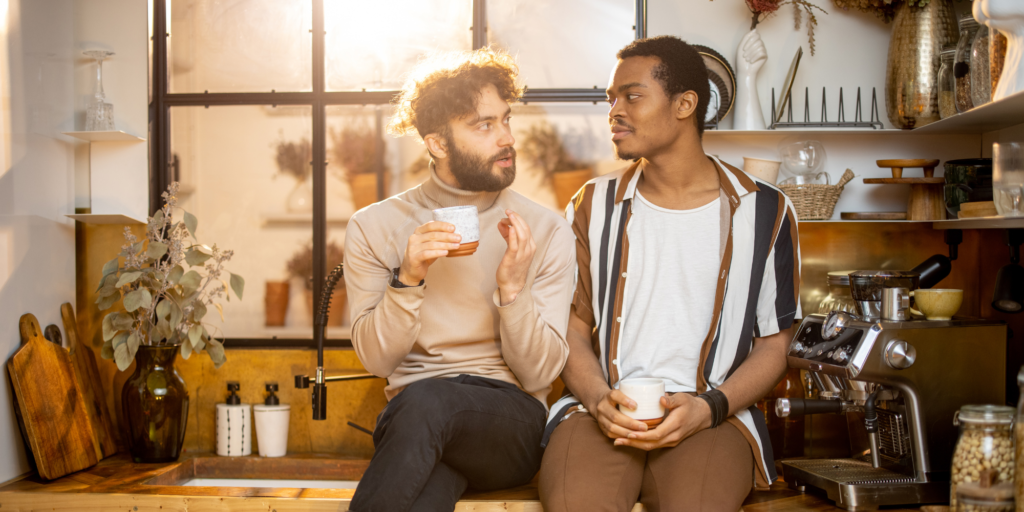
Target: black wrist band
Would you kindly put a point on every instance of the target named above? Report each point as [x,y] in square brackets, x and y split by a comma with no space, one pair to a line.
[719,405]
[397,283]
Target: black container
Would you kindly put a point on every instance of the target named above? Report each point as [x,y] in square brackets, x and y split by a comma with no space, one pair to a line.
[967,180]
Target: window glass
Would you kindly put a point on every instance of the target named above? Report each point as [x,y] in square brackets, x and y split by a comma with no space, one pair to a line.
[373,45]
[245,174]
[563,44]
[239,45]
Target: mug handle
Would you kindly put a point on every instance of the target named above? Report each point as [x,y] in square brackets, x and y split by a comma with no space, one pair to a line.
[914,311]
[828,181]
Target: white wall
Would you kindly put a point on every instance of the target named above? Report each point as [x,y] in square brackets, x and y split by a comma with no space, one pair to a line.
[37,244]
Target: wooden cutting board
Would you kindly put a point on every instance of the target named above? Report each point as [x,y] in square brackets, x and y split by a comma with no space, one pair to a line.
[89,382]
[53,416]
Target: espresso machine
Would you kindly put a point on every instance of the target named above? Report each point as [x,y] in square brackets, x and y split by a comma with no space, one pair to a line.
[899,383]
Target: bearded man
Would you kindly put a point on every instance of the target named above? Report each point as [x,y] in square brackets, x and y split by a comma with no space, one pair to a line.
[470,345]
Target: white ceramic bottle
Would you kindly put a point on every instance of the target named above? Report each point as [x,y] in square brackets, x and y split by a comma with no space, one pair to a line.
[234,433]
[272,424]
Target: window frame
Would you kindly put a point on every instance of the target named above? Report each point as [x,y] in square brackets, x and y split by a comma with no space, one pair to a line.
[161,165]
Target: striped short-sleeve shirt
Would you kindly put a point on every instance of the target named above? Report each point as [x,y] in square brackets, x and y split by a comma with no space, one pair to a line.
[757,292]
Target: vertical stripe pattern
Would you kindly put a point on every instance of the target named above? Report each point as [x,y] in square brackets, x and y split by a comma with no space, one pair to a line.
[758,284]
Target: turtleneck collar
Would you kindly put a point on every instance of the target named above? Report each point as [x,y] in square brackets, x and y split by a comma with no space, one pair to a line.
[446,196]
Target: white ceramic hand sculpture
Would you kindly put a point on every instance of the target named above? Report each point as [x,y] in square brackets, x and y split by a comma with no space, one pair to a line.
[750,57]
[1006,16]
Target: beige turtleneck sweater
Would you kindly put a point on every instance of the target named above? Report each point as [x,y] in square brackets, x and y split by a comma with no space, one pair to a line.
[453,324]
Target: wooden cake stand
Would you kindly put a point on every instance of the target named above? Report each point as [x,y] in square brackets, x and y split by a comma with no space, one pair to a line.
[926,201]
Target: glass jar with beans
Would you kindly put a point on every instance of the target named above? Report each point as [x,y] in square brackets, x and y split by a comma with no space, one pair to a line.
[976,497]
[962,63]
[984,448]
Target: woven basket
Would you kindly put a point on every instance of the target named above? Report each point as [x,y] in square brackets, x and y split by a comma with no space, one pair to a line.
[816,202]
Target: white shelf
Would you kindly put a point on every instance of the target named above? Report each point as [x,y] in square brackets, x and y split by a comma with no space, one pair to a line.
[977,223]
[989,117]
[104,218]
[108,135]
[299,219]
[803,131]
[980,223]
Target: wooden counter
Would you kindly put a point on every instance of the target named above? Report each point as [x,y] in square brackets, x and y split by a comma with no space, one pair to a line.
[119,484]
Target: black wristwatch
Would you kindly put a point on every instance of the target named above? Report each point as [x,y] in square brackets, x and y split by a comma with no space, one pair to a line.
[397,283]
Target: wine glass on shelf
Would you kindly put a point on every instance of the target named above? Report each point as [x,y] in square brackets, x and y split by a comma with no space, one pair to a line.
[1008,178]
[99,115]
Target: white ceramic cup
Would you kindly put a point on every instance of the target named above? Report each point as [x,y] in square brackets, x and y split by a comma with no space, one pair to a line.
[767,170]
[272,429]
[647,394]
[466,220]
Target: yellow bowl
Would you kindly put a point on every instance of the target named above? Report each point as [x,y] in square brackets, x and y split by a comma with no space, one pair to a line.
[938,303]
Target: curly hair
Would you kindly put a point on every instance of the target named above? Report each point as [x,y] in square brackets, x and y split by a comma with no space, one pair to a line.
[682,69]
[447,86]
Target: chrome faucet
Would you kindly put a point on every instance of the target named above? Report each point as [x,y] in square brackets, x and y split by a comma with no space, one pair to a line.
[319,331]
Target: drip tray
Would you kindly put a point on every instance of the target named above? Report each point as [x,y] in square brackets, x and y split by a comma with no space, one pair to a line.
[854,485]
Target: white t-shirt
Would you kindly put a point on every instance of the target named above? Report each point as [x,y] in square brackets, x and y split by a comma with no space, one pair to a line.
[673,274]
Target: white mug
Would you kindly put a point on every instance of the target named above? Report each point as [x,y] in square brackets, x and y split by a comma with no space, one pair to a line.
[466,220]
[647,394]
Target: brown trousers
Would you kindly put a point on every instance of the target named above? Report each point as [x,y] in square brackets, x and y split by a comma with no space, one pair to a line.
[582,470]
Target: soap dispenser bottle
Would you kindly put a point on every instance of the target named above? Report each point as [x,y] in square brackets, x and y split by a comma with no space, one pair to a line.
[234,434]
[272,424]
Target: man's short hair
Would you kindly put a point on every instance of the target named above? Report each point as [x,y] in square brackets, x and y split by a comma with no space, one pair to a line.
[447,86]
[682,69]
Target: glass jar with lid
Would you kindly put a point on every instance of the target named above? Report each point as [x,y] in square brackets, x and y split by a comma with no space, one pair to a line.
[976,497]
[947,83]
[1018,434]
[984,448]
[981,80]
[839,297]
[962,63]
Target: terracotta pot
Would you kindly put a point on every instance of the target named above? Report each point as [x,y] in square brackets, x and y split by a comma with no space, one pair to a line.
[567,183]
[276,303]
[364,189]
[338,304]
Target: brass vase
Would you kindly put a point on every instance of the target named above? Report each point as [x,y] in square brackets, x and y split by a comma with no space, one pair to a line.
[155,406]
[911,72]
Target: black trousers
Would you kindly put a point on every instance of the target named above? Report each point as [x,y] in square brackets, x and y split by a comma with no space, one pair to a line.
[440,436]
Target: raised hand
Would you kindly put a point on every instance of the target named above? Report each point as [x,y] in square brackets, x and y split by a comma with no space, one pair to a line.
[515,265]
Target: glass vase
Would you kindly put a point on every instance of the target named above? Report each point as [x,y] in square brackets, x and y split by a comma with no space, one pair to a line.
[154,404]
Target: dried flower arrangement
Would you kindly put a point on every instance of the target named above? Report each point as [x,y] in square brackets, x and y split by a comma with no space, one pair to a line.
[295,159]
[301,263]
[164,304]
[354,150]
[764,9]
[543,147]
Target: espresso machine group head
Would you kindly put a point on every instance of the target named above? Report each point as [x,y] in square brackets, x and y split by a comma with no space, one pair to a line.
[900,384]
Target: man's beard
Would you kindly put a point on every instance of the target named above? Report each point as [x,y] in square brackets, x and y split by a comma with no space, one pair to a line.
[474,172]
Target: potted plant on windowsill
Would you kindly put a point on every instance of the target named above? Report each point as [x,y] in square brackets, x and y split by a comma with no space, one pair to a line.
[354,156]
[166,282]
[300,266]
[543,147]
[295,159]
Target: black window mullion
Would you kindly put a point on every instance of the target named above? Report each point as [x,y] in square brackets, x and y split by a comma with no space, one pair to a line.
[319,157]
[159,125]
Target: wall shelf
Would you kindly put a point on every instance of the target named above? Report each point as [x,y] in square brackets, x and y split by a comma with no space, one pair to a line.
[106,135]
[802,131]
[976,223]
[989,117]
[103,218]
[299,219]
